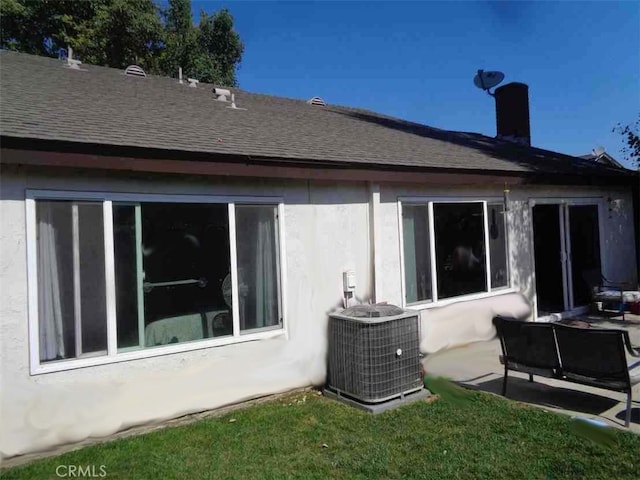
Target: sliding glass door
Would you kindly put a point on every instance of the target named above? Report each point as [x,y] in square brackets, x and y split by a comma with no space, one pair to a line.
[548,245]
[566,241]
[584,252]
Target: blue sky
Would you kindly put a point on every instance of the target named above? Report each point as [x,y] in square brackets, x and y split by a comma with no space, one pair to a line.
[416,60]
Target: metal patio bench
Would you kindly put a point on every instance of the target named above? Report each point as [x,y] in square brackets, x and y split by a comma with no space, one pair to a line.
[587,356]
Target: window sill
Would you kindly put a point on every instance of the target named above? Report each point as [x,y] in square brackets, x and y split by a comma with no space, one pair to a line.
[464,298]
[157,351]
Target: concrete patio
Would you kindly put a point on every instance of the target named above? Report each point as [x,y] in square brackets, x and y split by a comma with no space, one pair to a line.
[477,366]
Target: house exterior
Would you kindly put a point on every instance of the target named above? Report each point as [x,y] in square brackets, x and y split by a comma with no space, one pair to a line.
[163,253]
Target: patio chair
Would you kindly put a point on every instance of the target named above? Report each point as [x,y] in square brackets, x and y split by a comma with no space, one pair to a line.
[526,347]
[596,357]
[607,292]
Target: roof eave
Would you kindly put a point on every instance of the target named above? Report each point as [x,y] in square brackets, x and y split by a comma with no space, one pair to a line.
[117,157]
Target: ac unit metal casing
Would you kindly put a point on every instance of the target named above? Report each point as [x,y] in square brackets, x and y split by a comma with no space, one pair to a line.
[374,353]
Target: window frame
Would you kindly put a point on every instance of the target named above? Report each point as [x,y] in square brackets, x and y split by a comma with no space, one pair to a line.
[435,301]
[112,353]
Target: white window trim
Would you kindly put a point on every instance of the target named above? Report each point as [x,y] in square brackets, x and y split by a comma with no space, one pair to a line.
[462,298]
[283,271]
[432,257]
[110,279]
[435,302]
[113,355]
[149,352]
[233,260]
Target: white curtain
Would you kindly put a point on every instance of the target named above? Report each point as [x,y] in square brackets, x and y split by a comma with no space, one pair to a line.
[266,281]
[49,308]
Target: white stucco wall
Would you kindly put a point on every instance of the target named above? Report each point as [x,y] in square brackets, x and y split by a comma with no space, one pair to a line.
[326,228]
[327,231]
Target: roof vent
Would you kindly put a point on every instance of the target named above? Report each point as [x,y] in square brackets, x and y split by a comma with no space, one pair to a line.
[233,103]
[72,62]
[221,94]
[134,71]
[317,101]
[193,83]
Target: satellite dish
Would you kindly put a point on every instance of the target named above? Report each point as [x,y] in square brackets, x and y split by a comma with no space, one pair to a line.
[598,151]
[487,80]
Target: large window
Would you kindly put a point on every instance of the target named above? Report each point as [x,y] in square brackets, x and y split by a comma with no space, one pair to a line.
[169,273]
[445,249]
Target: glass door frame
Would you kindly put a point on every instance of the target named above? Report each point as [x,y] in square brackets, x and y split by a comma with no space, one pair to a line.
[564,205]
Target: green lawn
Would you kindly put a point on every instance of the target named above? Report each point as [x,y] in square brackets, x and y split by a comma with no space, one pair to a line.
[305,435]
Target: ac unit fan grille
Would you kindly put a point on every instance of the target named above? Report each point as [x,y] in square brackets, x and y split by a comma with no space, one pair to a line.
[374,362]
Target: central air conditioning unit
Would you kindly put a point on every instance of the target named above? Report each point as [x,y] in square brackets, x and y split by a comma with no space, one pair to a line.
[374,354]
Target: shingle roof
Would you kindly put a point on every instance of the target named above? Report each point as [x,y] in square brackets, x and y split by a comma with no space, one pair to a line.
[42,99]
[603,158]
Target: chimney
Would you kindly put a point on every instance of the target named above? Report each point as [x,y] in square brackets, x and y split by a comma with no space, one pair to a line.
[512,113]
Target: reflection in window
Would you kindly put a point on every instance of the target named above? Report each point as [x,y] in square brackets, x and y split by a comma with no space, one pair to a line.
[460,249]
[171,261]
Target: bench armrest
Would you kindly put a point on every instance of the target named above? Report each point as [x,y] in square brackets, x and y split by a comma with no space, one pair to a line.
[633,351]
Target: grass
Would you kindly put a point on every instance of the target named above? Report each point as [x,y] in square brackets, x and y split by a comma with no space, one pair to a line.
[304,435]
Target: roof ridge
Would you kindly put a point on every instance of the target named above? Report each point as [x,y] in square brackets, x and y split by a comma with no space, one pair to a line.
[107,68]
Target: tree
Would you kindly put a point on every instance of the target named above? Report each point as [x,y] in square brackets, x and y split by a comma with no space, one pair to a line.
[630,133]
[180,39]
[114,33]
[126,32]
[220,48]
[210,52]
[117,33]
[41,27]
